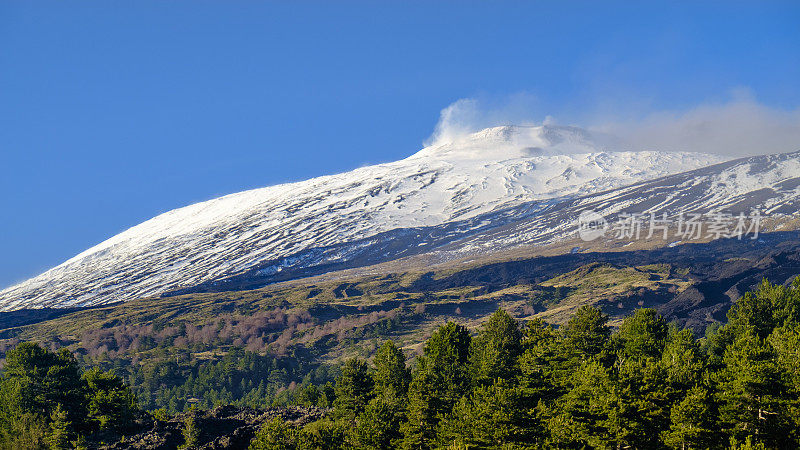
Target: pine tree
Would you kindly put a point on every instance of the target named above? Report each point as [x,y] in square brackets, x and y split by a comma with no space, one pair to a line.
[391,374]
[324,434]
[440,379]
[353,388]
[756,400]
[586,333]
[447,352]
[328,395]
[423,409]
[683,362]
[642,335]
[308,395]
[543,365]
[61,434]
[275,435]
[110,403]
[786,343]
[693,421]
[379,425]
[191,433]
[492,416]
[640,410]
[754,311]
[42,380]
[494,352]
[747,444]
[22,430]
[579,418]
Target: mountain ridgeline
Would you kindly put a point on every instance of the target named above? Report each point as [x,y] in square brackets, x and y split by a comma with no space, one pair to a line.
[373,214]
[489,194]
[447,300]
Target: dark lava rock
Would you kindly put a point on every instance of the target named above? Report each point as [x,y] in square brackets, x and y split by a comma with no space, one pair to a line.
[224,427]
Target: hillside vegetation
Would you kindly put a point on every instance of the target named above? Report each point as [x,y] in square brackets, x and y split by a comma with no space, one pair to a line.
[647,384]
[174,349]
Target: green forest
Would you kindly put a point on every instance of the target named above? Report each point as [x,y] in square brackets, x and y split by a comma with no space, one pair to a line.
[647,384]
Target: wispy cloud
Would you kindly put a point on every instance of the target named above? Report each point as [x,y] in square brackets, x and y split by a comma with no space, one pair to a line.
[738,126]
[469,115]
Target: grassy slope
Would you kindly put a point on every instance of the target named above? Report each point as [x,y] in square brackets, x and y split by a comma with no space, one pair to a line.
[339,318]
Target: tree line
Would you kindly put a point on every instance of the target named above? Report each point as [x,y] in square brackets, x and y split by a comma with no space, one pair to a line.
[649,385]
[48,401]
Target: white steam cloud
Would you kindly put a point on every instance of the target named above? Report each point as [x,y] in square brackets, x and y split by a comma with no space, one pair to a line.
[469,115]
[740,126]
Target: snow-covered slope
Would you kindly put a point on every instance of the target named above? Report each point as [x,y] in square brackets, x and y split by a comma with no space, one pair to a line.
[768,184]
[488,171]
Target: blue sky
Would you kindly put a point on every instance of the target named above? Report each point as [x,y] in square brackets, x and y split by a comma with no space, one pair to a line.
[113,112]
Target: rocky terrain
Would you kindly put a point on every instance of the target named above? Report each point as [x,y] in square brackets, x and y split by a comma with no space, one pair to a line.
[224,427]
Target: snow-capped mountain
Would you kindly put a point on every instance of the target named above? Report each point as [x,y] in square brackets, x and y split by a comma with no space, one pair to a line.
[464,186]
[768,185]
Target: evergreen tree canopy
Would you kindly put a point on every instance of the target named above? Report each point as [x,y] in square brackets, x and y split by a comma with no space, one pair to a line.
[495,350]
[643,334]
[756,399]
[646,385]
[440,379]
[110,402]
[353,387]
[46,400]
[37,380]
[446,358]
[586,332]
[391,374]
